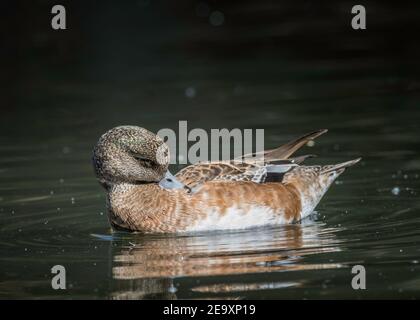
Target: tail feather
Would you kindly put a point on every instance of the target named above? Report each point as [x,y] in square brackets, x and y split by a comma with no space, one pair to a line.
[301,159]
[339,166]
[285,151]
[314,181]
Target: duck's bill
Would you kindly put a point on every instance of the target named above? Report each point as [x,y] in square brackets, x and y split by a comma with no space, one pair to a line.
[170,182]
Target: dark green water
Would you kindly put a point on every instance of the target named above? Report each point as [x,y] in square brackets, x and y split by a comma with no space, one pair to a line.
[52,210]
[51,205]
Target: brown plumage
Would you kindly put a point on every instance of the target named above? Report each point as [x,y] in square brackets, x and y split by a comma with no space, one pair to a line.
[259,189]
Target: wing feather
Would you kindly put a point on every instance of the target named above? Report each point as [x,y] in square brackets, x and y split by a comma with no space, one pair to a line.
[266,166]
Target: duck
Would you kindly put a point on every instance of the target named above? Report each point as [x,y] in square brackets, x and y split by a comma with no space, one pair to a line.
[255,190]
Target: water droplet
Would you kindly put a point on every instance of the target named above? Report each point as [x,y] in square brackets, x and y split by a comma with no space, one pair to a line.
[101,213]
[51,192]
[73,201]
[395,191]
[217,18]
[310,143]
[66,150]
[190,92]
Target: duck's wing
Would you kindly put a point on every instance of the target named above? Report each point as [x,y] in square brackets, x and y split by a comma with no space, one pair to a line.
[195,175]
[285,151]
[269,165]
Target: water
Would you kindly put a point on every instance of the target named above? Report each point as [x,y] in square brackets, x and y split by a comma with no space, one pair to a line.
[53,211]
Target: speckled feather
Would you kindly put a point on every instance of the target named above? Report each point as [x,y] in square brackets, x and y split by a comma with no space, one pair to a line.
[246,167]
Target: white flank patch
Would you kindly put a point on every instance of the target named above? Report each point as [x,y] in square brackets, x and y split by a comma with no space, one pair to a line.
[314,193]
[236,218]
[309,202]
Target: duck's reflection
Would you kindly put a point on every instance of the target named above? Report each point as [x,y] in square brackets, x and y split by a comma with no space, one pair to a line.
[144,266]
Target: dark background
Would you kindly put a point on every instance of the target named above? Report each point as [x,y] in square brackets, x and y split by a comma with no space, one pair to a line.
[129,46]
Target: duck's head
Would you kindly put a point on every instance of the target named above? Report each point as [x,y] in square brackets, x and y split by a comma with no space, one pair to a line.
[130,154]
